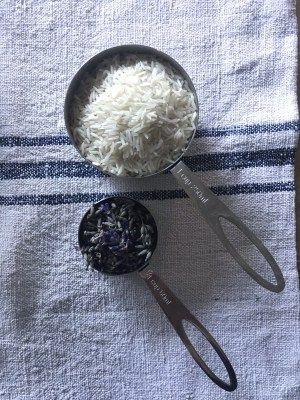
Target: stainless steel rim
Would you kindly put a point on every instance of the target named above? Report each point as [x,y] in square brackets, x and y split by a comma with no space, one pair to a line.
[92,63]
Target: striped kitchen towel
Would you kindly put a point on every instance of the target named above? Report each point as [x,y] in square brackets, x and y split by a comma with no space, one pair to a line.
[67,333]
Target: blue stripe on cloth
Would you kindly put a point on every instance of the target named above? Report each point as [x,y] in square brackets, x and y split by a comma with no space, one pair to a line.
[11,141]
[202,162]
[56,199]
[58,139]
[249,129]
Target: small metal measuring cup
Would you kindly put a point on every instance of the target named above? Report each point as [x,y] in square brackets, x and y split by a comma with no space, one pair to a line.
[210,206]
[173,308]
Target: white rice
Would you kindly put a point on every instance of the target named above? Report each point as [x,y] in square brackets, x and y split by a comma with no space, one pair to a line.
[134,117]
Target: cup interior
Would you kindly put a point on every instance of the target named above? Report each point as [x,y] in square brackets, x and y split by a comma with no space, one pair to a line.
[91,66]
[89,223]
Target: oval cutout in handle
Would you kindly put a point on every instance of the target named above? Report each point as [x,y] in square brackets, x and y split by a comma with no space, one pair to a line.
[280,284]
[229,387]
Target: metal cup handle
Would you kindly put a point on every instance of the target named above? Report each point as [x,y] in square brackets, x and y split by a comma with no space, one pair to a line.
[176,313]
[212,209]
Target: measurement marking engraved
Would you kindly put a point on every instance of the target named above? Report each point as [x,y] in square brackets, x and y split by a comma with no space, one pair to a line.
[201,196]
[156,287]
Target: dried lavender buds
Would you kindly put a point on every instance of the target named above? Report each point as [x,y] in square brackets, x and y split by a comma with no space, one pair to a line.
[117,235]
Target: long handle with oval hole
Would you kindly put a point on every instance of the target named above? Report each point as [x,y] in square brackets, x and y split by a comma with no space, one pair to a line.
[212,209]
[176,312]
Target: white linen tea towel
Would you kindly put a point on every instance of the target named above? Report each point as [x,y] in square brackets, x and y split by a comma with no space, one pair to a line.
[67,333]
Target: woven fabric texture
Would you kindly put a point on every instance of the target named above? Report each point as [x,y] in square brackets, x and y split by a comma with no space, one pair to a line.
[67,333]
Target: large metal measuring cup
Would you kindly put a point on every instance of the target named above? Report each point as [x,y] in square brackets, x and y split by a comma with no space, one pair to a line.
[210,206]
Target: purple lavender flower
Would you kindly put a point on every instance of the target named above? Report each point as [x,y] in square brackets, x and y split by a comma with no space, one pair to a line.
[118,237]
